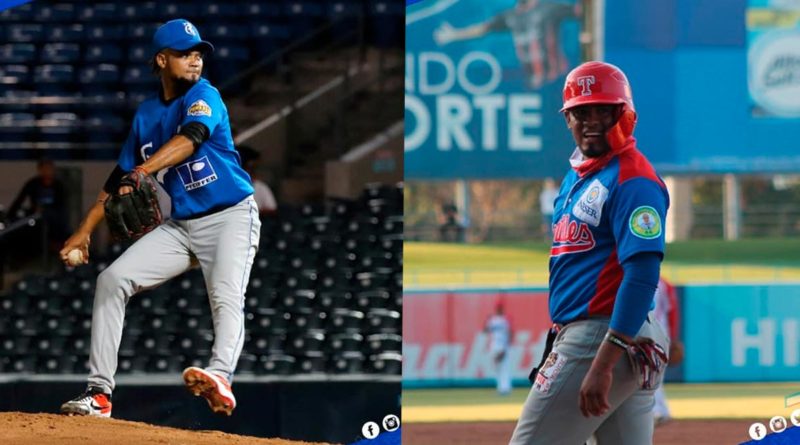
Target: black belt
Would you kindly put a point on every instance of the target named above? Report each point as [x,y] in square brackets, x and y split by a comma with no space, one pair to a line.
[211,211]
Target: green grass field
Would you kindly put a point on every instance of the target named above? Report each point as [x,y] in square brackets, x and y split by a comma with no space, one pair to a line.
[525,264]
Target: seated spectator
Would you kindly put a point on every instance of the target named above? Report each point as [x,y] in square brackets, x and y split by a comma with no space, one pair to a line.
[264,197]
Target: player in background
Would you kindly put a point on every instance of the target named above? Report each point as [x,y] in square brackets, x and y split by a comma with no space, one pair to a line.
[605,260]
[182,136]
[265,199]
[535,27]
[668,314]
[499,328]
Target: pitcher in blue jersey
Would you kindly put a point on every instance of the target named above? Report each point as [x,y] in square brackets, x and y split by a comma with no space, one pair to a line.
[182,136]
[606,351]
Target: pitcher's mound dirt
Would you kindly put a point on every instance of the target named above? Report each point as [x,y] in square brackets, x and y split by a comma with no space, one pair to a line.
[52,429]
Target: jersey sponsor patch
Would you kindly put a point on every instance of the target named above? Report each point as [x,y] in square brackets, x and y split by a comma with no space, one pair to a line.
[645,222]
[589,207]
[197,173]
[549,372]
[199,108]
[571,237]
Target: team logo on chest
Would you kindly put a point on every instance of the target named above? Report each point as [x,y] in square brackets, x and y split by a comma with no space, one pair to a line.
[571,237]
[589,207]
[196,174]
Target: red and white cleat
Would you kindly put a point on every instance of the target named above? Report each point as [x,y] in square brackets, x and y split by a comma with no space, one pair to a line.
[214,388]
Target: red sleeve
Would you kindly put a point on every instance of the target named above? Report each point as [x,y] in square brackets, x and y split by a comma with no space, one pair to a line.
[674,315]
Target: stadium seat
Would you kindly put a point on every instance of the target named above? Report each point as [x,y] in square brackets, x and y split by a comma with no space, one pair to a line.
[345,341]
[346,320]
[377,298]
[54,78]
[14,77]
[276,364]
[139,12]
[57,13]
[102,53]
[300,298]
[270,320]
[102,12]
[59,127]
[261,9]
[347,362]
[335,299]
[60,53]
[377,343]
[306,319]
[219,10]
[174,9]
[142,32]
[18,52]
[383,320]
[64,33]
[104,33]
[306,341]
[388,363]
[311,362]
[139,54]
[25,32]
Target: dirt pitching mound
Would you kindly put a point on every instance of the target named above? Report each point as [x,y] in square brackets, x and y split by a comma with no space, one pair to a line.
[676,432]
[52,429]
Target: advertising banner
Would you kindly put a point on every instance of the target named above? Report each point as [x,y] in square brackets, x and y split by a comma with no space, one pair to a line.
[444,342]
[741,333]
[773,58]
[483,87]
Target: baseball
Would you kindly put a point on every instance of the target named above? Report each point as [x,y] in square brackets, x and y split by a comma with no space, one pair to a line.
[75,257]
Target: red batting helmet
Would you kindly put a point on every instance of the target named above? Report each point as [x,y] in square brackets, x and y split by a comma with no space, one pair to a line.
[597,83]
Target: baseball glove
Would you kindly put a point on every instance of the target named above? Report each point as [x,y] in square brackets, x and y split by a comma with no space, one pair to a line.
[648,360]
[134,214]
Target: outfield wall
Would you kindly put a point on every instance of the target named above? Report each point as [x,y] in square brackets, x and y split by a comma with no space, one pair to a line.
[732,333]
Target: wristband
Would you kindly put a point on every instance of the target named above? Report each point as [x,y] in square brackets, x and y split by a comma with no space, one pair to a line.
[611,338]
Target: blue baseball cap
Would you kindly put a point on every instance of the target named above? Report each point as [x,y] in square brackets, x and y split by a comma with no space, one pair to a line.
[180,35]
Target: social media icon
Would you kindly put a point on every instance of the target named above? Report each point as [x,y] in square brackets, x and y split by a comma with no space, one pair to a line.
[777,424]
[795,417]
[391,422]
[370,430]
[757,431]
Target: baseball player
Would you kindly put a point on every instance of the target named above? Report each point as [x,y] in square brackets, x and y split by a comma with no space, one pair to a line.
[608,243]
[499,328]
[181,136]
[668,315]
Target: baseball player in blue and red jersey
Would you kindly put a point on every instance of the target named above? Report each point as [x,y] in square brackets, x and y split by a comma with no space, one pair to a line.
[608,243]
[181,136]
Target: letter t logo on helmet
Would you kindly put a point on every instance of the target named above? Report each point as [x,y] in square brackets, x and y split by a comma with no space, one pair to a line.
[586,83]
[597,83]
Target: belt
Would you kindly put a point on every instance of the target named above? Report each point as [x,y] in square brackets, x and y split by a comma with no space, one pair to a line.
[211,211]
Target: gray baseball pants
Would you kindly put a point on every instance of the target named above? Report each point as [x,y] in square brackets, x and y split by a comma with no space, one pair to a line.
[224,244]
[552,415]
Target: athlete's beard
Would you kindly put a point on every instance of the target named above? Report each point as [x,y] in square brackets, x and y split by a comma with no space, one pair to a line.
[182,85]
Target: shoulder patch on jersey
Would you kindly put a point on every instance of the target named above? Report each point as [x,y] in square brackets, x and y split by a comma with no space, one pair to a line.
[589,207]
[199,108]
[645,222]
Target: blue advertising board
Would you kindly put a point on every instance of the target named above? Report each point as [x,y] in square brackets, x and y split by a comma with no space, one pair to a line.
[741,333]
[715,85]
[483,87]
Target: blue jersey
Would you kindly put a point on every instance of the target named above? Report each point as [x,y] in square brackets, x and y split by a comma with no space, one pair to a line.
[600,220]
[212,177]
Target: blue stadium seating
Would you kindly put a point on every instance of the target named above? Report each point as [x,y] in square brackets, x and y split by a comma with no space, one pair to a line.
[60,53]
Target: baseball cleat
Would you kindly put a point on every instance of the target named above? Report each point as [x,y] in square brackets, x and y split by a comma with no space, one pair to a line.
[214,388]
[93,402]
